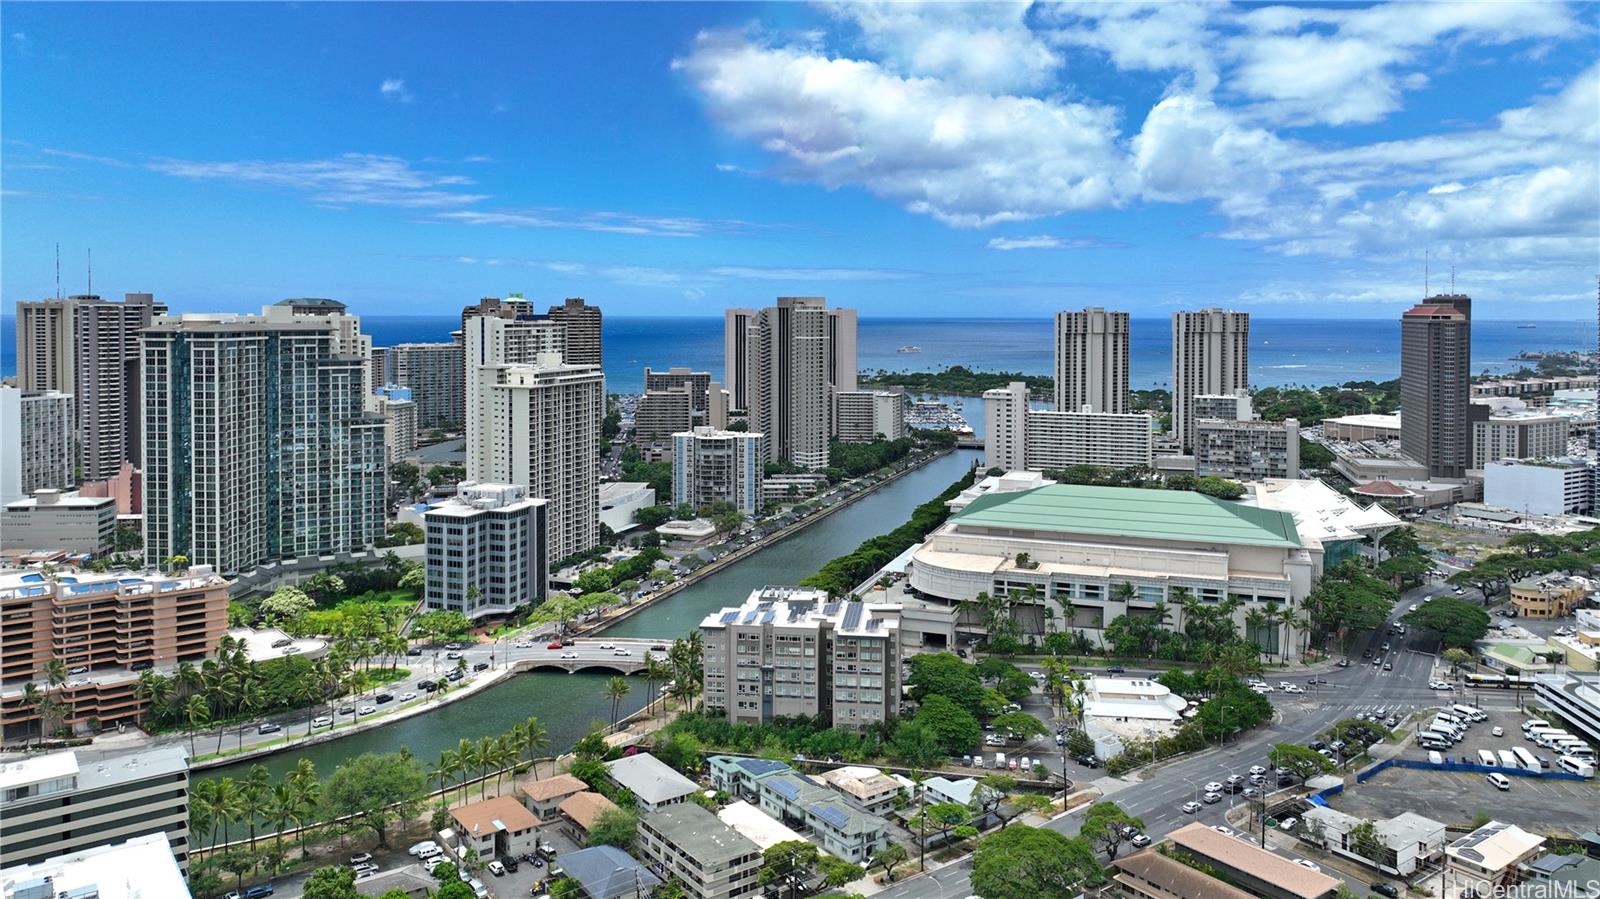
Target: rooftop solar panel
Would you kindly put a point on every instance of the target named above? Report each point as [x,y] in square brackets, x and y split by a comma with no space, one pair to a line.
[751,618]
[831,608]
[786,789]
[730,617]
[852,616]
[831,814]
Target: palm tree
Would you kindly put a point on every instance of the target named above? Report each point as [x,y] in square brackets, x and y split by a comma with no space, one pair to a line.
[616,689]
[33,699]
[535,739]
[196,714]
[466,757]
[223,805]
[654,672]
[55,672]
[306,792]
[279,809]
[253,798]
[444,770]
[483,758]
[154,690]
[1254,621]
[251,698]
[507,753]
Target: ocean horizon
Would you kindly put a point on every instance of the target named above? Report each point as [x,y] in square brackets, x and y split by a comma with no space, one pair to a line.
[1283,351]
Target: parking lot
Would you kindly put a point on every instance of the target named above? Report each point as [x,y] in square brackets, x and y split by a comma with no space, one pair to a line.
[1459,797]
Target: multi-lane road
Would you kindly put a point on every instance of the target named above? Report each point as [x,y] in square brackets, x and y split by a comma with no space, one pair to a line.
[1158,798]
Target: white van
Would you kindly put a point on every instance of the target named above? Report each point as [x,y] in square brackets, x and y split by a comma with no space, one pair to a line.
[1532,723]
[1468,712]
[1500,781]
[1575,766]
[1000,760]
[1485,757]
[1435,758]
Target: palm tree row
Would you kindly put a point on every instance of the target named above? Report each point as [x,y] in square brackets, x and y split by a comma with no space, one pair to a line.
[686,664]
[216,805]
[476,759]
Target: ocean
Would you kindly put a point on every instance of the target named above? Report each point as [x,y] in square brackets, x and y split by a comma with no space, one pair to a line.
[1283,352]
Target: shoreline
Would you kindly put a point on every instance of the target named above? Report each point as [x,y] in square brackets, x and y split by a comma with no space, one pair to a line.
[487,679]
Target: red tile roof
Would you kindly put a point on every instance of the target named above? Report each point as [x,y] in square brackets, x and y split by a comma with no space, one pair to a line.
[1381,488]
[1424,309]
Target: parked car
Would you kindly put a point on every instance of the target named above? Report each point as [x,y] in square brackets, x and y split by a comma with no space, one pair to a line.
[1140,840]
[268,728]
[1191,807]
[424,849]
[1385,888]
[321,721]
[480,666]
[360,858]
[259,891]
[497,869]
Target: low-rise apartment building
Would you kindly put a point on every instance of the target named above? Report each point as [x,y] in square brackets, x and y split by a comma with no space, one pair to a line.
[53,519]
[1407,842]
[1246,450]
[652,782]
[493,828]
[1252,868]
[792,651]
[833,818]
[114,625]
[1151,875]
[1488,859]
[710,859]
[53,805]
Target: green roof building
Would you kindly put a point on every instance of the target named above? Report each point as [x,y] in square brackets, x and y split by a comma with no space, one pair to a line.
[1085,555]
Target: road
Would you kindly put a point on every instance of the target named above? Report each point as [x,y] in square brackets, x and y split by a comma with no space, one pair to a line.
[1359,689]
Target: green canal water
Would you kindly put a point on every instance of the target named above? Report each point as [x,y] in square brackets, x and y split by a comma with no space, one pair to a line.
[567,703]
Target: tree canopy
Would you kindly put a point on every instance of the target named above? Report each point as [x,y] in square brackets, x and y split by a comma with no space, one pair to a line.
[1021,862]
[956,729]
[1458,623]
[1102,826]
[375,791]
[944,674]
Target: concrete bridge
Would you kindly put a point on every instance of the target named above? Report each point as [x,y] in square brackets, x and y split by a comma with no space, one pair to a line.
[622,655]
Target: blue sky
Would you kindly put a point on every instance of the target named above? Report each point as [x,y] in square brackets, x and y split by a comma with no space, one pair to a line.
[995,159]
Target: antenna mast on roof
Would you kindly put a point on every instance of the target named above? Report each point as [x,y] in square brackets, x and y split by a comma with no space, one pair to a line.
[58,269]
[90,291]
[1452,277]
[1424,274]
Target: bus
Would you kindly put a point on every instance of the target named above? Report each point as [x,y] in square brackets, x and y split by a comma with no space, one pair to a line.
[1485,757]
[1526,759]
[1507,760]
[1579,767]
[1500,681]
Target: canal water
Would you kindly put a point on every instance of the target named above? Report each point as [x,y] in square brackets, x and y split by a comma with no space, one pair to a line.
[566,704]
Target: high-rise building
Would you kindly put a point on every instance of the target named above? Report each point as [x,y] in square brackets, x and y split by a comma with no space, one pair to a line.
[1018,438]
[791,651]
[486,551]
[490,342]
[257,443]
[1247,450]
[796,355]
[494,307]
[58,804]
[1518,435]
[538,425]
[1436,384]
[662,413]
[1210,355]
[1092,361]
[381,374]
[716,406]
[107,358]
[47,345]
[697,382]
[399,413]
[736,358]
[582,325]
[433,374]
[38,446]
[862,416]
[710,466]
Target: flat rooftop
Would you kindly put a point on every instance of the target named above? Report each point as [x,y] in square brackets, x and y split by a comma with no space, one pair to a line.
[143,867]
[1174,515]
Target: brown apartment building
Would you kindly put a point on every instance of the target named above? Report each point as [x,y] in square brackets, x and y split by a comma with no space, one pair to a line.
[1436,384]
[105,628]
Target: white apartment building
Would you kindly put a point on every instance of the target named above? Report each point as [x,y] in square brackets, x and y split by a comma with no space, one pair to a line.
[485,551]
[1092,361]
[1518,435]
[784,364]
[1247,450]
[257,442]
[51,519]
[38,443]
[57,804]
[710,859]
[1210,355]
[709,465]
[791,651]
[143,866]
[539,425]
[862,416]
[399,413]
[1234,406]
[1017,438]
[1562,486]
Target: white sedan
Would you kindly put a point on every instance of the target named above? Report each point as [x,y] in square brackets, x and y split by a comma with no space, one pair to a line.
[1292,688]
[407,696]
[366,710]
[569,655]
[1191,807]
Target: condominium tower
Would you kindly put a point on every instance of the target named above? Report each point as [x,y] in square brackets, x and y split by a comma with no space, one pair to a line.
[257,445]
[1436,384]
[107,362]
[581,322]
[1092,361]
[534,420]
[1210,355]
[36,442]
[46,344]
[433,374]
[710,466]
[1016,437]
[787,361]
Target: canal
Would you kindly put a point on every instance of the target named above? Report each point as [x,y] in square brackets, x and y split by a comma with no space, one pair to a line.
[566,704]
